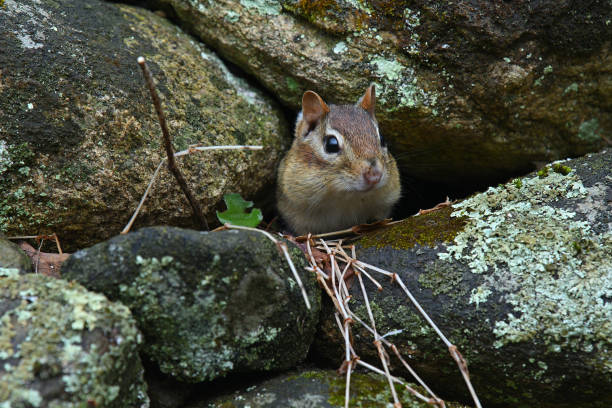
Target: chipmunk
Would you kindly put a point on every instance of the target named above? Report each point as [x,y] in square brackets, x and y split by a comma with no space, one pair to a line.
[338,172]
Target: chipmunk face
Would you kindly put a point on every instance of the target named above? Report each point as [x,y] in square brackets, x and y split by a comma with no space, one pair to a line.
[338,172]
[343,142]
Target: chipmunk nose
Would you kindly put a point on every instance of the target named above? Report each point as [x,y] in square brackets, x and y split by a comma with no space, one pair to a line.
[373,173]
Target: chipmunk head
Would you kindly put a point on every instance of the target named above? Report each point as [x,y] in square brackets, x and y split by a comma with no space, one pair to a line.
[343,142]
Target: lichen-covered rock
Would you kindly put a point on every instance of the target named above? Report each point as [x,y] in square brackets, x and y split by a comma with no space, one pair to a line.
[317,389]
[208,303]
[79,138]
[471,90]
[62,346]
[518,277]
[12,257]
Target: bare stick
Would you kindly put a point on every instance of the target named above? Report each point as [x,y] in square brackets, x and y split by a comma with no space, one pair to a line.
[283,248]
[195,205]
[38,254]
[377,342]
[464,371]
[222,147]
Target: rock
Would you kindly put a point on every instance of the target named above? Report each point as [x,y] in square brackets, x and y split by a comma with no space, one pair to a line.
[208,304]
[62,346]
[12,257]
[316,388]
[519,277]
[467,91]
[79,138]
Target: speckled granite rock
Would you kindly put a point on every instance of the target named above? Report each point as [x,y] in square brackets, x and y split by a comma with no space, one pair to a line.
[519,277]
[316,389]
[62,346]
[467,90]
[12,257]
[208,303]
[79,139]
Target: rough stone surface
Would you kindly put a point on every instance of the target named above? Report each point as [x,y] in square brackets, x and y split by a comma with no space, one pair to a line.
[519,277]
[208,303]
[12,257]
[468,90]
[317,388]
[62,346]
[79,138]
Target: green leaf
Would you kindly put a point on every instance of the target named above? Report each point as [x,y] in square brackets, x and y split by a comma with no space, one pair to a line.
[236,212]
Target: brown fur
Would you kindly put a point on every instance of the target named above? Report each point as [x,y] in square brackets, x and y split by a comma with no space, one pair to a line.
[320,191]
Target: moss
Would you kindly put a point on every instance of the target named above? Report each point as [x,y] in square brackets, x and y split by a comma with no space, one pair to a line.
[561,169]
[426,230]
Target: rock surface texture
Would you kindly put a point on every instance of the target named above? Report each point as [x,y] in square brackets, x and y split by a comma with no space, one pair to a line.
[79,139]
[208,303]
[62,346]
[12,257]
[519,277]
[468,90]
[316,389]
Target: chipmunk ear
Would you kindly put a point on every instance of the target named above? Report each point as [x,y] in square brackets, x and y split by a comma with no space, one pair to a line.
[313,108]
[368,100]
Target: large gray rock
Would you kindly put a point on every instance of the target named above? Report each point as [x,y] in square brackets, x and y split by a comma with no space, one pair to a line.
[467,90]
[316,389]
[62,346]
[13,257]
[79,139]
[518,277]
[208,303]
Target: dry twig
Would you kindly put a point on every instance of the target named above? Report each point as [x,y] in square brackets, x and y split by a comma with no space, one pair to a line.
[195,205]
[331,274]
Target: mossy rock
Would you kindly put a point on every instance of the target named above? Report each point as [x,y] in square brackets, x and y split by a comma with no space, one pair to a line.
[464,93]
[62,346]
[80,140]
[318,388]
[13,257]
[208,303]
[518,277]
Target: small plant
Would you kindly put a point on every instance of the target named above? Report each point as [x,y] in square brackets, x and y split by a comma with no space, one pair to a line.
[236,212]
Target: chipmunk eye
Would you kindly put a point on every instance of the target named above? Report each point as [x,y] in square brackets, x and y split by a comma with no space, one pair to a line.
[331,144]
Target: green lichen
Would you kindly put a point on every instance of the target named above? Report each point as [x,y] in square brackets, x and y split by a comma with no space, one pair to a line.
[588,131]
[94,361]
[426,230]
[527,248]
[571,88]
[400,84]
[340,48]
[441,278]
[265,7]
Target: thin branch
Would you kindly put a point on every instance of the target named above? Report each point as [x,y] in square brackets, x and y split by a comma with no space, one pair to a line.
[195,205]
[127,228]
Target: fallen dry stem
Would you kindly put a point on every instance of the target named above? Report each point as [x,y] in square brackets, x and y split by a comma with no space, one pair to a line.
[334,285]
[198,216]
